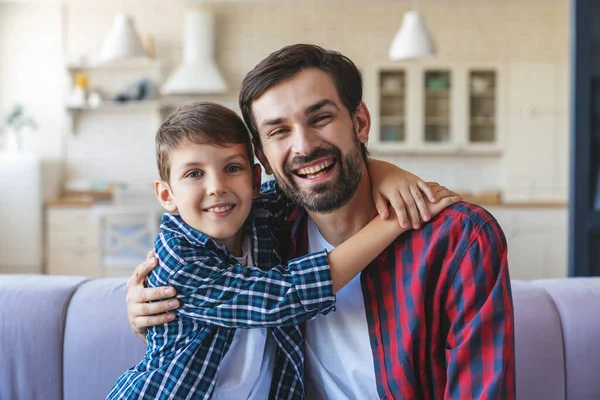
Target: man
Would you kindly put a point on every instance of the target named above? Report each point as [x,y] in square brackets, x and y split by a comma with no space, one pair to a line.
[432,316]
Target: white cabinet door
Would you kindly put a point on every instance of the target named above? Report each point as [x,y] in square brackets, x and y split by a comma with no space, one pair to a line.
[536,156]
[537,241]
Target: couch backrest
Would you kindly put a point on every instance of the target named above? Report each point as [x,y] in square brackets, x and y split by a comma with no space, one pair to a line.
[32,320]
[99,345]
[557,338]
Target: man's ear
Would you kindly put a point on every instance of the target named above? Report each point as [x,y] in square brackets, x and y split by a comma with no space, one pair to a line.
[362,122]
[256,179]
[164,195]
[258,152]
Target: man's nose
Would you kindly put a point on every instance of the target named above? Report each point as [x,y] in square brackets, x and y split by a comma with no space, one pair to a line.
[216,184]
[305,140]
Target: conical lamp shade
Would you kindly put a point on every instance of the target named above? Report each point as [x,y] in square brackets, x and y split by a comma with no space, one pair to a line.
[122,41]
[413,39]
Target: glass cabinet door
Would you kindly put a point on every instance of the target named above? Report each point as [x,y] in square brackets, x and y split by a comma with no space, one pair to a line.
[392,109]
[482,106]
[437,121]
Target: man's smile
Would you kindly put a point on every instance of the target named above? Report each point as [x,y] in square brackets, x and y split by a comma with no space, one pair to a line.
[315,170]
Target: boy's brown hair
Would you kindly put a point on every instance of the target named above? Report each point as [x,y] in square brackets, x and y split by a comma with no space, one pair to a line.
[290,60]
[202,123]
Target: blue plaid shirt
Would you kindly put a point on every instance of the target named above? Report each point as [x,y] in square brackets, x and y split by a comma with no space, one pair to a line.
[218,296]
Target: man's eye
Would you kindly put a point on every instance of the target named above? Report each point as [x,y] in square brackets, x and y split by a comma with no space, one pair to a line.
[233,168]
[321,119]
[277,132]
[194,174]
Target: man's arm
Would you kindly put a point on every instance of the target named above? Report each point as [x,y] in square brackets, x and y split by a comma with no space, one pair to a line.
[480,342]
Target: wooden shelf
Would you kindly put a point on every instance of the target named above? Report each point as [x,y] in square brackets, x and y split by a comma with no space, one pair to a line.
[437,121]
[392,120]
[118,106]
[133,64]
[483,121]
[437,92]
[486,94]
[392,92]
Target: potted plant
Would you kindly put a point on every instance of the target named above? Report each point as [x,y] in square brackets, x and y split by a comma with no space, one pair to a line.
[13,129]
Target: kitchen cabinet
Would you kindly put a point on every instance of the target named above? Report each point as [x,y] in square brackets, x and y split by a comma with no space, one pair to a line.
[99,240]
[537,148]
[537,240]
[436,108]
[72,241]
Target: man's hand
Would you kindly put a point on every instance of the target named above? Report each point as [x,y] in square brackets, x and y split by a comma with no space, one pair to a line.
[140,312]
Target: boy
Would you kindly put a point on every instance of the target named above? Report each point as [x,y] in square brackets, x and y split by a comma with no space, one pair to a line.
[220,253]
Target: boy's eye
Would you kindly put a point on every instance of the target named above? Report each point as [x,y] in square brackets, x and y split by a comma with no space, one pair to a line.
[193,174]
[233,168]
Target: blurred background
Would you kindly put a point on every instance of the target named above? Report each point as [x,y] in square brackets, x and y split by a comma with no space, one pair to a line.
[474,94]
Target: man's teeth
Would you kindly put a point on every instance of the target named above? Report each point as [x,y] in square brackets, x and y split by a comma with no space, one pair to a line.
[315,168]
[220,209]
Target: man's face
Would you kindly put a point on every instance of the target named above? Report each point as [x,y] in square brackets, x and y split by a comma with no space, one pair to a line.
[212,189]
[310,142]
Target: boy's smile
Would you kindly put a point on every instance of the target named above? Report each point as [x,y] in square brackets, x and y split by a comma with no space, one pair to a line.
[212,189]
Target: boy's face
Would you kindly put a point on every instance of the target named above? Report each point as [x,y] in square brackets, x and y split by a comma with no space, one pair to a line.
[212,189]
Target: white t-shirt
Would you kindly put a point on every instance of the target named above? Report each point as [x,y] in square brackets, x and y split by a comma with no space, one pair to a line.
[339,360]
[246,370]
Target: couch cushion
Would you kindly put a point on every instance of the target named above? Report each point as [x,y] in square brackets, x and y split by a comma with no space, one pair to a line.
[539,359]
[99,345]
[578,303]
[32,317]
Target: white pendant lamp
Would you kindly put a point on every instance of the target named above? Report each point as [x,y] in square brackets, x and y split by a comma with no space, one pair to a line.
[198,72]
[122,41]
[413,40]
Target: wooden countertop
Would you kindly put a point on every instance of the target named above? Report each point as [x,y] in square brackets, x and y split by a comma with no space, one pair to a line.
[71,201]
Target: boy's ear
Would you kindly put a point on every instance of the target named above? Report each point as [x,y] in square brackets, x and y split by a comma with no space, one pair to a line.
[164,195]
[256,179]
[258,152]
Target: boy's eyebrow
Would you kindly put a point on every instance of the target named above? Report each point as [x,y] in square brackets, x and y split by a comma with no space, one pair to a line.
[200,163]
[309,110]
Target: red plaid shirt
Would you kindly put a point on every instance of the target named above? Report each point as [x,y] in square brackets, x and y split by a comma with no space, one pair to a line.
[439,308]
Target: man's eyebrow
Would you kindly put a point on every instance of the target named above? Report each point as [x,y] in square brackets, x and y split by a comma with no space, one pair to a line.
[190,165]
[271,122]
[317,106]
[309,110]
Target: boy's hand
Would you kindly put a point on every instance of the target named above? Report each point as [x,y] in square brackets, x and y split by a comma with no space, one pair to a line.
[443,196]
[140,312]
[402,190]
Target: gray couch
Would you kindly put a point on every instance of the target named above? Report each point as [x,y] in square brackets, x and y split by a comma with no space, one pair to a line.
[68,337]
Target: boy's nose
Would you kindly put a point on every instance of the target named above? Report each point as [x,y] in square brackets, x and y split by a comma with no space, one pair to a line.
[215,186]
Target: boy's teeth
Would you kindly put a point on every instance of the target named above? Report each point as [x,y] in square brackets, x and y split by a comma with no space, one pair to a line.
[315,168]
[220,209]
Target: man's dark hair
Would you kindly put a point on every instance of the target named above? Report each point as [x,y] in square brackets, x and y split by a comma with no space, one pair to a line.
[202,123]
[287,62]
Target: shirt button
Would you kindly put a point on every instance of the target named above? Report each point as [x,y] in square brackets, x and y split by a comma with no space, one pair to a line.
[374,345]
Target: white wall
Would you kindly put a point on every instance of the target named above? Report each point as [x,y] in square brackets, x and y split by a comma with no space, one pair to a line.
[32,74]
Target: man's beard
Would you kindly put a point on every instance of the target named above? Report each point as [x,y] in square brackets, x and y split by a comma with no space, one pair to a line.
[326,196]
